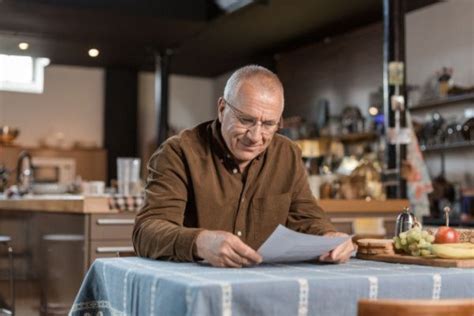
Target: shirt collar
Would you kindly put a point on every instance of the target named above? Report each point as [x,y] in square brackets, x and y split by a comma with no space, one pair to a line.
[218,143]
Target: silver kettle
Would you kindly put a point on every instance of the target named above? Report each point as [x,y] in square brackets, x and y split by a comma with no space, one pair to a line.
[405,221]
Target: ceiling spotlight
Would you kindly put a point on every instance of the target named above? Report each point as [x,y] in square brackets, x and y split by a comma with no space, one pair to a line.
[23,45]
[93,52]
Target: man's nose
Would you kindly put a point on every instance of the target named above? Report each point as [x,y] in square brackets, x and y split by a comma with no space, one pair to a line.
[255,132]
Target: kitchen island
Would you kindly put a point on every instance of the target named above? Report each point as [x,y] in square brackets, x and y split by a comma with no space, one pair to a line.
[57,237]
[106,232]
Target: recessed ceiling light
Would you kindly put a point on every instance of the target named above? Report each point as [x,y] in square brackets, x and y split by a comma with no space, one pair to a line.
[23,45]
[94,52]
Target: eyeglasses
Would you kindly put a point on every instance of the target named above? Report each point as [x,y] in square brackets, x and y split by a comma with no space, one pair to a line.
[248,121]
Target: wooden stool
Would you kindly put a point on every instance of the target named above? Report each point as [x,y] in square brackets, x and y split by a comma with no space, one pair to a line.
[458,307]
[9,309]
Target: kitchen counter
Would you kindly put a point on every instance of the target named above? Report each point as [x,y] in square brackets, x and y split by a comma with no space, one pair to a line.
[64,203]
[362,217]
[69,203]
[367,208]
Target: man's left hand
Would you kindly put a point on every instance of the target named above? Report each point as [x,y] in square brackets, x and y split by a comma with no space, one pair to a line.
[341,253]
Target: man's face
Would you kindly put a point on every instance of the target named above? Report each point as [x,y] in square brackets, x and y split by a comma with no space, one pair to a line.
[249,121]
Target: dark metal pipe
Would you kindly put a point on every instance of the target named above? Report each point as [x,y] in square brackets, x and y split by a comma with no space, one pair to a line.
[162,72]
[394,50]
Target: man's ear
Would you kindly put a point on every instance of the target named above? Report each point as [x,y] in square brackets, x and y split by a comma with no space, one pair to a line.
[220,109]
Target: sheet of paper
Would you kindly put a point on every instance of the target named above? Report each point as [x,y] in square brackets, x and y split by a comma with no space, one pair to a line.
[286,245]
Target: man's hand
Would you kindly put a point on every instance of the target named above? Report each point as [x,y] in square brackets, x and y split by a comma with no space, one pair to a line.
[341,253]
[223,249]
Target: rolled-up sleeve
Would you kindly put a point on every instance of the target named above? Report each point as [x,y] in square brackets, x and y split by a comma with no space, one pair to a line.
[159,230]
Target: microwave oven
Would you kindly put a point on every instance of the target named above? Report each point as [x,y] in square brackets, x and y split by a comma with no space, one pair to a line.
[52,170]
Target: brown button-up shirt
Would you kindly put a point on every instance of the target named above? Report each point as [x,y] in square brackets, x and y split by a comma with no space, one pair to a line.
[195,184]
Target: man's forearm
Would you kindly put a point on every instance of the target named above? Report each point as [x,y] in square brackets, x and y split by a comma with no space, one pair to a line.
[161,239]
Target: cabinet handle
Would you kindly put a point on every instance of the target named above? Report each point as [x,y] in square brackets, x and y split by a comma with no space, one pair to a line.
[115,221]
[113,249]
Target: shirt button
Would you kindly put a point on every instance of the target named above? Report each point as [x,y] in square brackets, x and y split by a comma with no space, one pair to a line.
[239,233]
[242,199]
[234,171]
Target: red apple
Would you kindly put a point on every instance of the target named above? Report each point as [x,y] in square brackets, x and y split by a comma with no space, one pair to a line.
[446,235]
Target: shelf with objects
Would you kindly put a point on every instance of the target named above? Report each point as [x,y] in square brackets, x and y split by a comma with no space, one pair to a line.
[444,125]
[444,101]
[344,158]
[343,154]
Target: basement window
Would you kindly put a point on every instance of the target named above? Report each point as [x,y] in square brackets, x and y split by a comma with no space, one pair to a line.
[22,73]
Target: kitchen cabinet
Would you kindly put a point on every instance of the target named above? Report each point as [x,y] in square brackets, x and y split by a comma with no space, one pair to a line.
[56,239]
[109,235]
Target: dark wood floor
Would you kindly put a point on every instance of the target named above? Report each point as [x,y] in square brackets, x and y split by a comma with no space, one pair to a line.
[27,297]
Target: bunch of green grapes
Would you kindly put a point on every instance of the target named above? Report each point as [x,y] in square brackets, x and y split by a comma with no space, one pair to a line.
[415,242]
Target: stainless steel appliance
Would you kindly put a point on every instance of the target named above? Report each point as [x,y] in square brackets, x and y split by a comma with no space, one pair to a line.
[405,221]
[24,169]
[53,175]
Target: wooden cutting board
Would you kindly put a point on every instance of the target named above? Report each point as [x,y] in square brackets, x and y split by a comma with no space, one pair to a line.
[436,262]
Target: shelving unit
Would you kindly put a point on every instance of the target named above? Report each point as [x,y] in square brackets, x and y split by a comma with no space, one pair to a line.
[318,146]
[356,137]
[445,102]
[347,138]
[448,101]
[449,154]
[459,145]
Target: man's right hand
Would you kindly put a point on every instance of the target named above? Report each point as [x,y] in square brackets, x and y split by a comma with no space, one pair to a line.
[223,249]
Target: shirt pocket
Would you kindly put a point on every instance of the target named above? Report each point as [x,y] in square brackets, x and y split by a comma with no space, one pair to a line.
[267,213]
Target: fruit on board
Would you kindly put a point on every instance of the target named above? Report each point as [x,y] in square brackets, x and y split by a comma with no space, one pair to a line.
[446,235]
[415,242]
[454,250]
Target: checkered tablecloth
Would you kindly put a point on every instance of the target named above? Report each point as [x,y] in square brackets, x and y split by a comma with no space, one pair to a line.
[137,286]
[126,203]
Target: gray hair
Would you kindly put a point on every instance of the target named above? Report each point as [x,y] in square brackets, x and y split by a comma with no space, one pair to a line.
[269,80]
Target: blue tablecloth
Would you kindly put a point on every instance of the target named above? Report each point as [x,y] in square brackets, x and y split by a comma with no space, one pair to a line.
[137,286]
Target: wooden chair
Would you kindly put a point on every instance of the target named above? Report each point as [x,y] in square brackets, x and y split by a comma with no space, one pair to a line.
[457,307]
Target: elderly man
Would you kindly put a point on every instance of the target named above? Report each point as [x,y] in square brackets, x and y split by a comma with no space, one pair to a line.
[217,191]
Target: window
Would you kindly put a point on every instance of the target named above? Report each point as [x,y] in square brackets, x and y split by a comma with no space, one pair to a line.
[22,73]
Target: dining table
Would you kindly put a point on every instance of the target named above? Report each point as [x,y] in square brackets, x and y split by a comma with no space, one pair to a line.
[140,286]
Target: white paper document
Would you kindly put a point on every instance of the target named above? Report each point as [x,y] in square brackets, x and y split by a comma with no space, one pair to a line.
[286,245]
